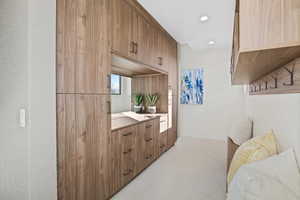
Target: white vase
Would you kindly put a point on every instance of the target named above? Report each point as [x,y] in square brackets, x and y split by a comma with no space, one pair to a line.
[152,109]
[137,109]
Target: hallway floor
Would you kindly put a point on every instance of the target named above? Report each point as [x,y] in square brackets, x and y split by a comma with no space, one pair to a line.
[194,169]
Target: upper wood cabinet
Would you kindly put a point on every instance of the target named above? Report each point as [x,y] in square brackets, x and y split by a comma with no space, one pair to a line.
[137,38]
[266,36]
[124,28]
[83,51]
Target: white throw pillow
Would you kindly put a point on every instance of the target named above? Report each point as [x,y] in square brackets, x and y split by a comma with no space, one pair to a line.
[241,131]
[275,178]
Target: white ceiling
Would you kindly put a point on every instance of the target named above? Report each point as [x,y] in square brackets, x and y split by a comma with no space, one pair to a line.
[182,20]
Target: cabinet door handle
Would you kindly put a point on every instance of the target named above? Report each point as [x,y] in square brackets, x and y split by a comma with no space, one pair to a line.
[132,47]
[128,151]
[148,140]
[148,157]
[129,171]
[162,146]
[127,134]
[160,61]
[148,126]
[108,107]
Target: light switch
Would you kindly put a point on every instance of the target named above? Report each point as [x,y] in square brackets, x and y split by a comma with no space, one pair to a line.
[22,118]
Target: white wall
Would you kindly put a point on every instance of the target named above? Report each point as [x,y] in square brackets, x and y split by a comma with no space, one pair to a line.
[223,103]
[42,95]
[27,80]
[122,103]
[14,95]
[280,113]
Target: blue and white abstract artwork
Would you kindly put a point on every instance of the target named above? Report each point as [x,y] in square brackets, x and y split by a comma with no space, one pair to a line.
[192,86]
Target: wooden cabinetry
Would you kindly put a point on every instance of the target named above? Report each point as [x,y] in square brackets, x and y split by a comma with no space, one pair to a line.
[137,38]
[83,58]
[172,131]
[83,129]
[124,29]
[266,36]
[132,150]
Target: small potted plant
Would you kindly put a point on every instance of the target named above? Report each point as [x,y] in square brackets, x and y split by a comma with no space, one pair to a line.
[151,102]
[138,101]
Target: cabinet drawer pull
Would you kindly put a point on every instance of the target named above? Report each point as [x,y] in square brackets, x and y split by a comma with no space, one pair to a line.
[148,157]
[148,126]
[128,151]
[127,134]
[148,140]
[128,172]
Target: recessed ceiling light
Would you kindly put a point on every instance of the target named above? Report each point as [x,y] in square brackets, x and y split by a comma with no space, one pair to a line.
[211,42]
[203,18]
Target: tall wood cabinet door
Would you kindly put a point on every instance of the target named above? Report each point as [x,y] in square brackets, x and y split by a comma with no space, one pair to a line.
[159,48]
[172,132]
[124,23]
[66,147]
[93,128]
[66,45]
[94,62]
[173,68]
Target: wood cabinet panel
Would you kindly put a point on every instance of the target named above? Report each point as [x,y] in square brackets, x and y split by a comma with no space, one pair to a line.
[94,59]
[82,131]
[93,128]
[145,41]
[66,45]
[67,147]
[83,51]
[173,68]
[163,142]
[172,131]
[124,28]
[261,24]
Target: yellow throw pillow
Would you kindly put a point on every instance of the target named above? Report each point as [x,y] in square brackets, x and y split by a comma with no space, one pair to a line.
[258,148]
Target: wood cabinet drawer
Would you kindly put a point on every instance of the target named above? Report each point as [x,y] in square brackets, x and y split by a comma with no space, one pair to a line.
[149,130]
[128,138]
[163,142]
[128,166]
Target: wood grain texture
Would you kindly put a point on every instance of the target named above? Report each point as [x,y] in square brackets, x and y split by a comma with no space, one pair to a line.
[67,147]
[253,65]
[267,84]
[163,142]
[123,36]
[66,45]
[94,58]
[157,84]
[83,46]
[265,37]
[93,128]
[172,131]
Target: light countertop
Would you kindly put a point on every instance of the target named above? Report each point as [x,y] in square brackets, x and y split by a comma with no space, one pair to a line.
[125,119]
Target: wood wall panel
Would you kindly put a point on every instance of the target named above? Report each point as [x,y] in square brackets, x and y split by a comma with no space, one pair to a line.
[156,84]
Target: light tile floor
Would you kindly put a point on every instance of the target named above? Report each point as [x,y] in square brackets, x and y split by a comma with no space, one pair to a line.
[194,169]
